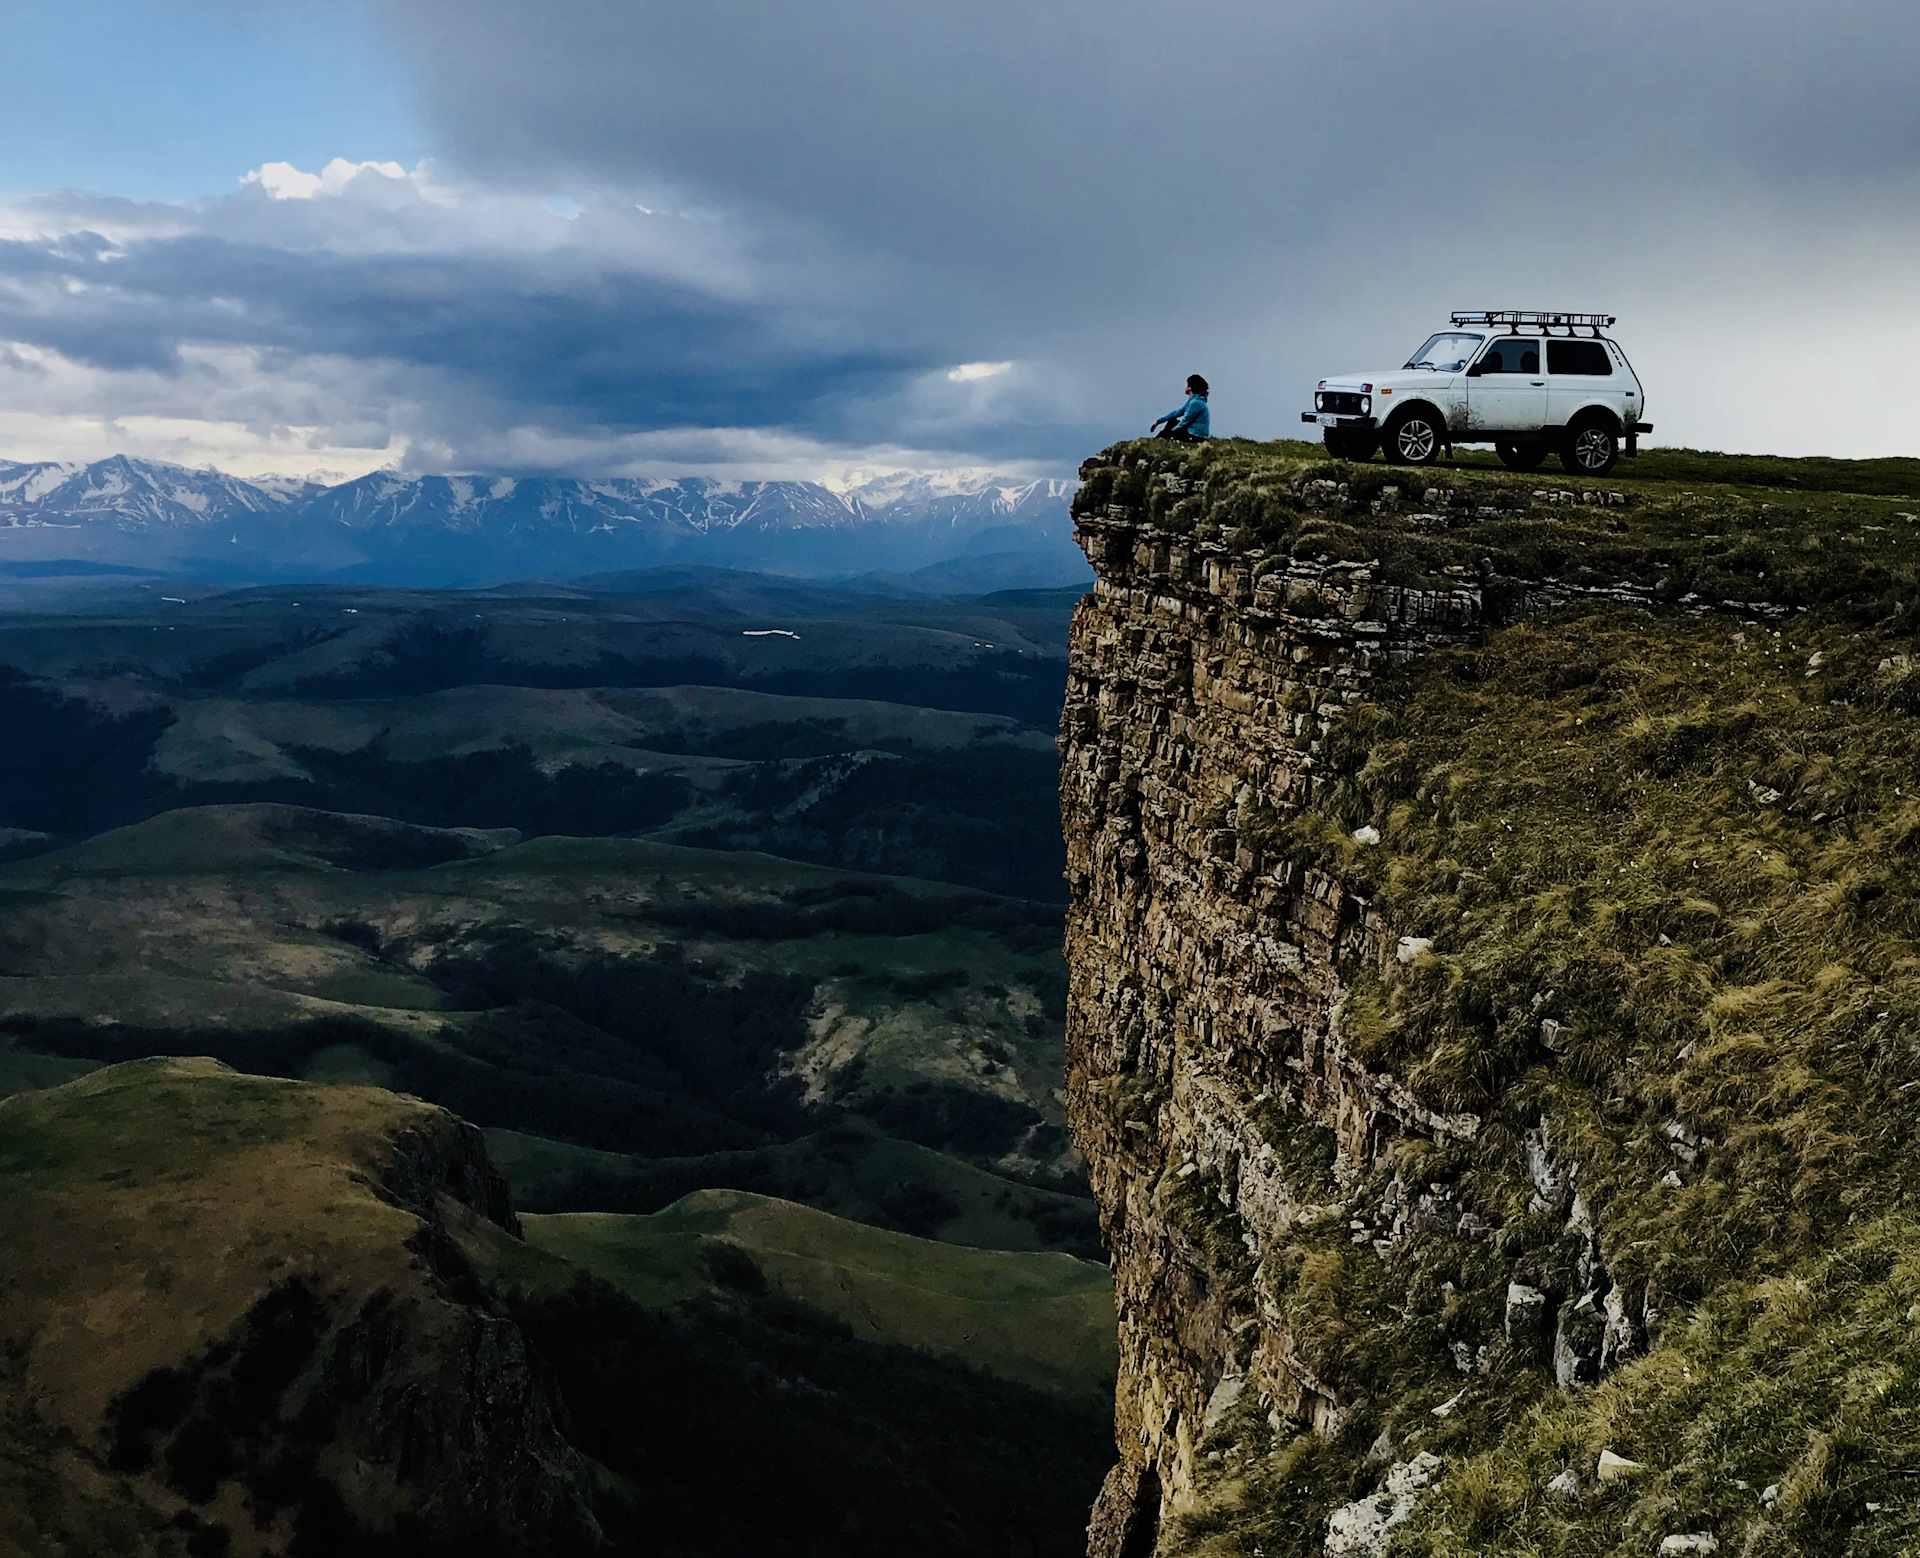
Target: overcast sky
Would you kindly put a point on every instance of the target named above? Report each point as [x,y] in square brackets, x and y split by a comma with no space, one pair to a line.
[616,235]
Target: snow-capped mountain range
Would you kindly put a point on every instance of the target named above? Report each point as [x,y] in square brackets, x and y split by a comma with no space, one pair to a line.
[124,512]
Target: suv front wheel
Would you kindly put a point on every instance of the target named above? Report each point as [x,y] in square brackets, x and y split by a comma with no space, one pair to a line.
[1415,437]
[1591,449]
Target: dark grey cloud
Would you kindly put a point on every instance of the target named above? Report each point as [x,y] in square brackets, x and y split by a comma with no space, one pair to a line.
[794,222]
[1267,187]
[1078,139]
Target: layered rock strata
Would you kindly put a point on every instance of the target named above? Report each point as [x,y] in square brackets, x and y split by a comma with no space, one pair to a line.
[1205,974]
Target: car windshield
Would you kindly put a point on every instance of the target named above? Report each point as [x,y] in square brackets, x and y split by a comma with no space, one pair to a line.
[1447,352]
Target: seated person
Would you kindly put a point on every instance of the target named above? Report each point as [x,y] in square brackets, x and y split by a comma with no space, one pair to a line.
[1188,425]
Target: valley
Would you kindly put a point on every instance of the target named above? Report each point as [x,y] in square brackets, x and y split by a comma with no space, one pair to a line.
[724,912]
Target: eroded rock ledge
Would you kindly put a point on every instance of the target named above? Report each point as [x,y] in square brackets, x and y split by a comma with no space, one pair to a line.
[1205,973]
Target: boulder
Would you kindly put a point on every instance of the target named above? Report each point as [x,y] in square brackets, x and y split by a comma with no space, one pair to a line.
[1526,1314]
[1363,1528]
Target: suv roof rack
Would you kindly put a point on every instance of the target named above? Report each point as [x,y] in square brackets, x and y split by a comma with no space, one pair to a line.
[1514,317]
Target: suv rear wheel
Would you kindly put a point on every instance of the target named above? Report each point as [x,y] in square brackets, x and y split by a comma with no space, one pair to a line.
[1591,449]
[1415,436]
[1350,443]
[1520,457]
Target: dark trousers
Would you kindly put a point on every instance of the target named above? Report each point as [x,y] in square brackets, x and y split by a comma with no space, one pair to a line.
[1179,435]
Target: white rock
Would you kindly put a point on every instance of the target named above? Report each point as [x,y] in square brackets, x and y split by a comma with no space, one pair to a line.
[1366,835]
[1445,1409]
[1617,1468]
[1225,1396]
[1413,947]
[1363,1528]
[1699,1542]
[1526,1309]
[1619,1340]
[1564,1486]
[1770,1494]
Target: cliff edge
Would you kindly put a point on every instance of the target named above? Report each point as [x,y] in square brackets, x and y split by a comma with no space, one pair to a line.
[1494,1029]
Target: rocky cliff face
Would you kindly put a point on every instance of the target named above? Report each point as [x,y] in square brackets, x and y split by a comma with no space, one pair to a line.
[1206,981]
[1403,1115]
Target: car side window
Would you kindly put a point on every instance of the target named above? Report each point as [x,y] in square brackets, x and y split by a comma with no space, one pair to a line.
[1579,357]
[1514,355]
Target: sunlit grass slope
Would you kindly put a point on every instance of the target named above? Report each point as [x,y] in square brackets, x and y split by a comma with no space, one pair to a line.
[190,1254]
[253,1316]
[1044,1320]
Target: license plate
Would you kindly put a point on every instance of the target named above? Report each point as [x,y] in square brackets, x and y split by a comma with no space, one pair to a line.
[1330,419]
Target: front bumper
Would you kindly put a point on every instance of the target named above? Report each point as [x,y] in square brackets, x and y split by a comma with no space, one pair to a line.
[1335,419]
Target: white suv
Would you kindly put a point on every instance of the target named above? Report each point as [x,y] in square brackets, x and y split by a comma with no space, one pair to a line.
[1529,383]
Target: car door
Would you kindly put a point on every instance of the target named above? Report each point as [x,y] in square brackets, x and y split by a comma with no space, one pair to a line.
[1506,387]
[1579,373]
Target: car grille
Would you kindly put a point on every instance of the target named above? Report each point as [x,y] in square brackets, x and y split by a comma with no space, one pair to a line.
[1344,402]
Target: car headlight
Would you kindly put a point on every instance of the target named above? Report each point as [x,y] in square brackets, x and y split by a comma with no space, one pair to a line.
[1366,404]
[1319,402]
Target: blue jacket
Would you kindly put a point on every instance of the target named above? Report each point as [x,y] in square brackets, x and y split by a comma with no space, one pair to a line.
[1191,418]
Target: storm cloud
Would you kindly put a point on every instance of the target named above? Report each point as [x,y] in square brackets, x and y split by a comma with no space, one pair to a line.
[1002,233]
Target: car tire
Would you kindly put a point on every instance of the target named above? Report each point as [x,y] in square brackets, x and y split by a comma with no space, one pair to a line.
[1520,457]
[1591,448]
[1415,436]
[1345,444]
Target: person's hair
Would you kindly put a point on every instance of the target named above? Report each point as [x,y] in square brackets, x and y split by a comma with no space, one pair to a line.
[1197,385]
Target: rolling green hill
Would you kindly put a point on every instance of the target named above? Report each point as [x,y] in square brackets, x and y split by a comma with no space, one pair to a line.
[1042,1320]
[245,1315]
[664,1018]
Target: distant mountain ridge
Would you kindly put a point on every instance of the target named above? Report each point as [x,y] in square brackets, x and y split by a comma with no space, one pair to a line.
[135,495]
[389,527]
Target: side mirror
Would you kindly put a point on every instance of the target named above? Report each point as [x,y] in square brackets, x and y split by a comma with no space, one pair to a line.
[1478,370]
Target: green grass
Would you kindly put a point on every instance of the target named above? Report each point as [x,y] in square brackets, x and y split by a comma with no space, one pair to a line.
[1849,554]
[158,1215]
[24,1072]
[1039,1319]
[1897,476]
[848,1169]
